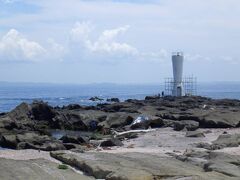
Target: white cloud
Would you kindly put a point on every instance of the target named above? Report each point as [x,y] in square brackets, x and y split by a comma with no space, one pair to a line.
[106,43]
[80,32]
[14,47]
[108,46]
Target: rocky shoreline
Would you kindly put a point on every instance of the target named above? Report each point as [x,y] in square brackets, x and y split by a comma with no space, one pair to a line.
[154,138]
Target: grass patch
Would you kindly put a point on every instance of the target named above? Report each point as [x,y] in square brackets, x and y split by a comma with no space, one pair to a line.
[62,166]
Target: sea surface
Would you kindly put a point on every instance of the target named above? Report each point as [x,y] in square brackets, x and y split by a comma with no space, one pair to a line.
[12,94]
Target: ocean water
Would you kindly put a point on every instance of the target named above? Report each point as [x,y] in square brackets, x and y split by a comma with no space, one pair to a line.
[12,94]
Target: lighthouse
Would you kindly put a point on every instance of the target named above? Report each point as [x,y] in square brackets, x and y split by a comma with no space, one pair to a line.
[177,63]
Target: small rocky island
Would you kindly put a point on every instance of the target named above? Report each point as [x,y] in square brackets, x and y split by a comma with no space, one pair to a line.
[156,138]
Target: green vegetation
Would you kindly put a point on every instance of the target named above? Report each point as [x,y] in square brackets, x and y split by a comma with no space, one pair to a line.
[62,166]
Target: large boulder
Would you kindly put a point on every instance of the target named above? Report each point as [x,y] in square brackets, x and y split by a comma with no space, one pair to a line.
[42,111]
[186,124]
[7,123]
[30,140]
[116,120]
[69,120]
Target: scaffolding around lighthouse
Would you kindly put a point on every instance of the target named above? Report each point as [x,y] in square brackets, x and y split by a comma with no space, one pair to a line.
[179,86]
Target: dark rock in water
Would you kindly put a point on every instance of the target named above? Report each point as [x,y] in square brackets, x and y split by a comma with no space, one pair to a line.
[186,124]
[111,142]
[116,100]
[73,107]
[95,98]
[194,134]
[73,139]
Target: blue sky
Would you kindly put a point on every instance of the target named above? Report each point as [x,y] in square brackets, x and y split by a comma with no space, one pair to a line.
[127,41]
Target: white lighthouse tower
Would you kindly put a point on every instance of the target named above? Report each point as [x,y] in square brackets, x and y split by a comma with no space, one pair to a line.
[177,62]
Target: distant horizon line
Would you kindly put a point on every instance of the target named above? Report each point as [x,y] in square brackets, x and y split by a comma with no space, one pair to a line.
[101,83]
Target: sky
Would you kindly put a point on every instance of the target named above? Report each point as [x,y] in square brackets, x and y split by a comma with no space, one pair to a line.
[118,41]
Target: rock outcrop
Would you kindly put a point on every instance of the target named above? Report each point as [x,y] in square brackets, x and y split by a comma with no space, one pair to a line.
[37,169]
[135,166]
[183,113]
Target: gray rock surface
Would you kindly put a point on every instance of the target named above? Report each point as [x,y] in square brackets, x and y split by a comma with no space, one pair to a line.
[214,161]
[38,169]
[223,141]
[195,134]
[134,166]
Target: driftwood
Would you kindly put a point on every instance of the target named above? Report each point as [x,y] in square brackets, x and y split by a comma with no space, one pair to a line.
[130,133]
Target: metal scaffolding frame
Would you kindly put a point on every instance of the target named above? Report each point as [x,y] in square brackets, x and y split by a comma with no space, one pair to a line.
[189,85]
